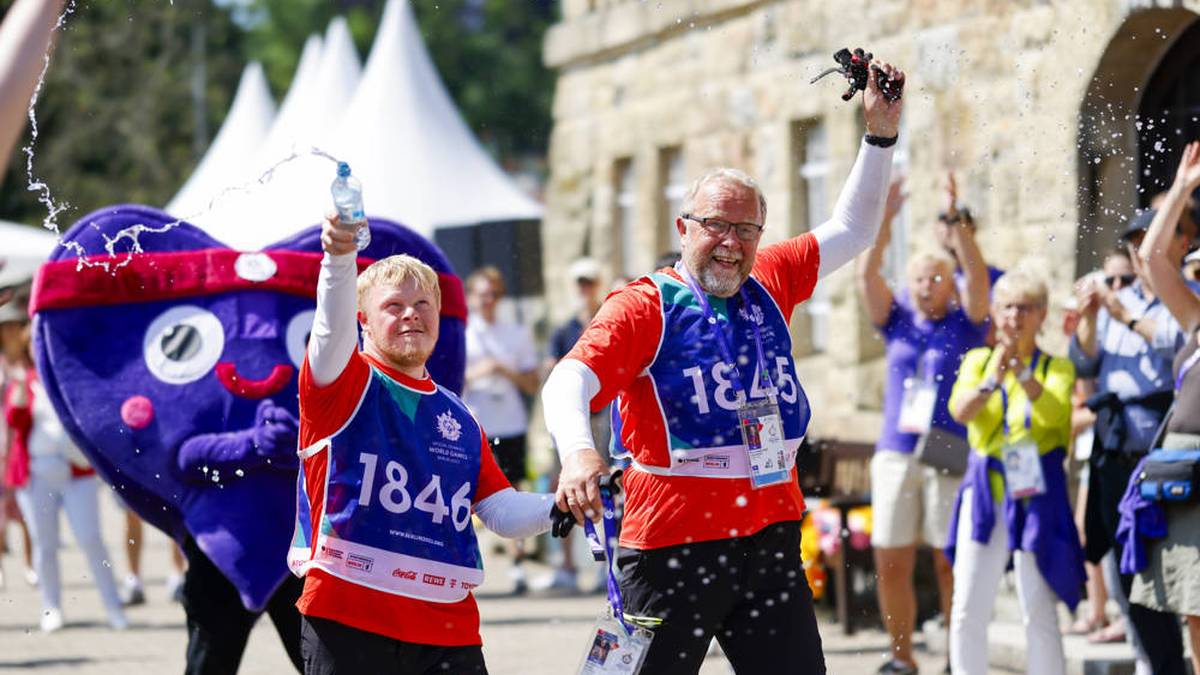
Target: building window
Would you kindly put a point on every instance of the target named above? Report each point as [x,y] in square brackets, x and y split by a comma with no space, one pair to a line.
[811,189]
[674,185]
[624,217]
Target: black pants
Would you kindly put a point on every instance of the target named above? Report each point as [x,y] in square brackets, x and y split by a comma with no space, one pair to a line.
[1158,631]
[332,648]
[748,592]
[218,623]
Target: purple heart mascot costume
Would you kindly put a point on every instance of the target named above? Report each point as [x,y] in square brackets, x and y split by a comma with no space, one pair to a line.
[174,369]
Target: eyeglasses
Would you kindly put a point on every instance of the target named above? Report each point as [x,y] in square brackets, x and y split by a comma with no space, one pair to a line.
[718,227]
[1125,279]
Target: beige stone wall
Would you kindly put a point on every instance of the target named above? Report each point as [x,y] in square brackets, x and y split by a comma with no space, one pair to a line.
[995,90]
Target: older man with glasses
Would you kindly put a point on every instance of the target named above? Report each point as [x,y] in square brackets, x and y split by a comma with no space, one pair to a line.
[713,415]
[1126,339]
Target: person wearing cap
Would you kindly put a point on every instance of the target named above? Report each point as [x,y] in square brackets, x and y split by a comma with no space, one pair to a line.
[50,475]
[585,275]
[1126,340]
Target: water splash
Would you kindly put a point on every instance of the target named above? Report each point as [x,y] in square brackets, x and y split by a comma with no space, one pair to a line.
[132,233]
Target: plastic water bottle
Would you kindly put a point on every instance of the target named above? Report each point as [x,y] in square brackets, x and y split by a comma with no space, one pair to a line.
[347,198]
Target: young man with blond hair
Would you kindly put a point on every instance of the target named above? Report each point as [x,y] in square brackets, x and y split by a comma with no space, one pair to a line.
[393,467]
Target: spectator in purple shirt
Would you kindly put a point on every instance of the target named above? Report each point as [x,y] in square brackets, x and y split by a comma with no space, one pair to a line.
[926,339]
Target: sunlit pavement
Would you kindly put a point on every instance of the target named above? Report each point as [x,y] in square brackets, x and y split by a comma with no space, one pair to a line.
[529,635]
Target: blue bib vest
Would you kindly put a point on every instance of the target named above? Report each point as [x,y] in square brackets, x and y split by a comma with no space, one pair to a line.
[699,402]
[399,484]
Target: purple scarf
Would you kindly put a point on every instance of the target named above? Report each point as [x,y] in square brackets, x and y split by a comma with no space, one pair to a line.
[1041,525]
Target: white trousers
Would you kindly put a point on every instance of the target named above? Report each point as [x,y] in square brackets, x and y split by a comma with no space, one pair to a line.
[978,569]
[51,488]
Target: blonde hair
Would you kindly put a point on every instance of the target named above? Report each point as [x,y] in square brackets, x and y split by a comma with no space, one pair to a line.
[395,270]
[1020,284]
[935,257]
[490,273]
[728,176]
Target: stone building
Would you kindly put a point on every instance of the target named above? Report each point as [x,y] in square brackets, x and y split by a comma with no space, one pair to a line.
[1058,118]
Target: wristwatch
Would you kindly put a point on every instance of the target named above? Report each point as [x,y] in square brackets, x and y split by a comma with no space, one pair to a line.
[881,141]
[1132,323]
[1026,374]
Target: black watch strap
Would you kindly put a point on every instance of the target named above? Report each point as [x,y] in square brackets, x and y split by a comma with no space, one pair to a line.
[881,141]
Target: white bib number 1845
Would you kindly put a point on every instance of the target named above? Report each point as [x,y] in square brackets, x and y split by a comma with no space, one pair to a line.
[394,495]
[727,396]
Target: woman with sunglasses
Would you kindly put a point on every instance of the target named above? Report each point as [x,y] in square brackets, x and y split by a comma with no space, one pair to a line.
[1015,401]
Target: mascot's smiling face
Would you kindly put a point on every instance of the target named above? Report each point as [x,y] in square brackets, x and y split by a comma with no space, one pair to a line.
[189,339]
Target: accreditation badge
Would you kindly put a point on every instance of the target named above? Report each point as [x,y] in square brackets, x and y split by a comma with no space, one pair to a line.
[1023,469]
[762,433]
[612,649]
[916,407]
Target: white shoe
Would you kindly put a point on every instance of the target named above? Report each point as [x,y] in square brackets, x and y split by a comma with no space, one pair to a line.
[175,587]
[117,620]
[52,620]
[132,592]
[562,581]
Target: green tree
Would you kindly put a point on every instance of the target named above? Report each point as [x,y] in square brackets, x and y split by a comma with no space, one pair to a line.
[488,53]
[116,117]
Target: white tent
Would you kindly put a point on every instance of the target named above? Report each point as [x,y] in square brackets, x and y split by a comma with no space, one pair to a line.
[245,125]
[24,249]
[404,137]
[399,130]
[295,194]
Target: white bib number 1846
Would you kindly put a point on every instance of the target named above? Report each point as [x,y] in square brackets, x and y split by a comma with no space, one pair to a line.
[394,495]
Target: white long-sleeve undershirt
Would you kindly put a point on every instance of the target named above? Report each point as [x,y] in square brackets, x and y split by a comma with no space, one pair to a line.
[515,515]
[335,325]
[858,211]
[567,394]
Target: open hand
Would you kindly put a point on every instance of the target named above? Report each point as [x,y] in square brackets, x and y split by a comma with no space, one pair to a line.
[1187,176]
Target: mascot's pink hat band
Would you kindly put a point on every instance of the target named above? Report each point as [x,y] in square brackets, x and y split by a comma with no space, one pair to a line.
[146,277]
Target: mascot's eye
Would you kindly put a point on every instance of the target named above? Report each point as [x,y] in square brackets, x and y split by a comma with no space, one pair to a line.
[298,330]
[183,344]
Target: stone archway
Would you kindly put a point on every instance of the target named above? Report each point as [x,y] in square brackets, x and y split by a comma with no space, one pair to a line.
[1140,73]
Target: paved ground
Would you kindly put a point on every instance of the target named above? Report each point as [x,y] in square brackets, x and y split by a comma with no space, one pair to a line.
[532,635]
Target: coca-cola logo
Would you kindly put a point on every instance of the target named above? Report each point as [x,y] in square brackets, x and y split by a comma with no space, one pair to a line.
[399,573]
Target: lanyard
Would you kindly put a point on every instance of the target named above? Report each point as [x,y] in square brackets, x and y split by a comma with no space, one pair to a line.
[764,375]
[608,545]
[1028,404]
[1187,365]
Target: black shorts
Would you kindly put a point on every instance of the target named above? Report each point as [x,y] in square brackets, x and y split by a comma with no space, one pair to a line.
[748,592]
[509,452]
[332,648]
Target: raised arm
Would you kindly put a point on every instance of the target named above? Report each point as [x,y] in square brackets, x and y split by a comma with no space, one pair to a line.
[877,296]
[1155,250]
[335,325]
[859,209]
[970,260]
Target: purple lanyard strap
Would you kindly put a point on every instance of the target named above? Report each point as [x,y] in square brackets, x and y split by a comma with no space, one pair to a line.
[1183,369]
[608,547]
[764,375]
[1037,353]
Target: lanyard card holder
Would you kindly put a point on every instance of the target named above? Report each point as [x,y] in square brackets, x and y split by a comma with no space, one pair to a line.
[1023,470]
[916,407]
[614,645]
[1022,460]
[762,433]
